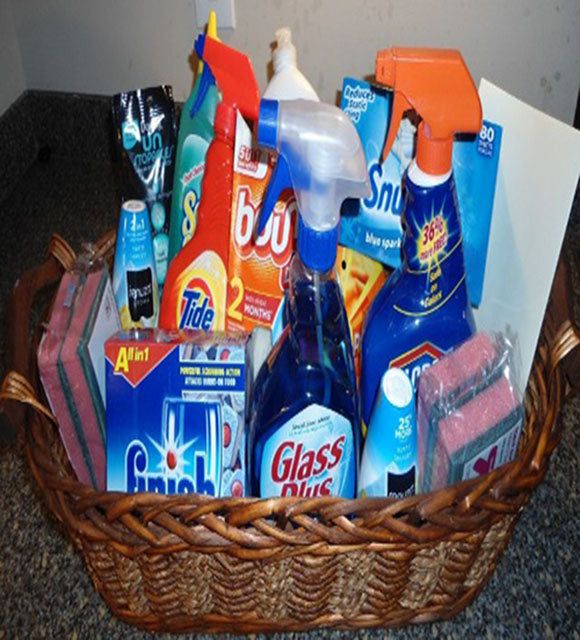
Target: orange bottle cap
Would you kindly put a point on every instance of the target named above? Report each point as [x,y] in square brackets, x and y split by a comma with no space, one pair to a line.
[433,156]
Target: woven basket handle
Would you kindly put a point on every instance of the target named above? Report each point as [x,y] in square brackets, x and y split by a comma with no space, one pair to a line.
[15,387]
[59,257]
[560,313]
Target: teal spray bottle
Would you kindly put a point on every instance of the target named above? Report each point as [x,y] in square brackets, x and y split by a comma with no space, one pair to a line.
[423,310]
[305,418]
[195,135]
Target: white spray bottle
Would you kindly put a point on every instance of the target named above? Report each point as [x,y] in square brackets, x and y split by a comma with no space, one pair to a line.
[288,82]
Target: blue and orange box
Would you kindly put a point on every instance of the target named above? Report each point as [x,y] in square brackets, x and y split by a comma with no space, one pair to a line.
[176,412]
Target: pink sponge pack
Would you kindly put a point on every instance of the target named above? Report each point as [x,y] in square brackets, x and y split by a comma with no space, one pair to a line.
[72,368]
[469,415]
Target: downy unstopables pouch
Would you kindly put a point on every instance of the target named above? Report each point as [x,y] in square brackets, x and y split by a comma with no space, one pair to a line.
[146,133]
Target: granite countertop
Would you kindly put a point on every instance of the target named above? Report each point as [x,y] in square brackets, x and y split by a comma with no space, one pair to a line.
[58,177]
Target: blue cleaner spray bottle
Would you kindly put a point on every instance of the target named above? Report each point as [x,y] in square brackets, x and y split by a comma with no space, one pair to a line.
[305,418]
[423,309]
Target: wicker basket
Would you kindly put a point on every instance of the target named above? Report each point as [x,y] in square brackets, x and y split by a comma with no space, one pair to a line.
[193,563]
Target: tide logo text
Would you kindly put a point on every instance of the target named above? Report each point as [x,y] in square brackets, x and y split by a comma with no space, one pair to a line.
[198,312]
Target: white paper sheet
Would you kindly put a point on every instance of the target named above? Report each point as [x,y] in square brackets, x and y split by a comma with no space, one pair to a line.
[538,172]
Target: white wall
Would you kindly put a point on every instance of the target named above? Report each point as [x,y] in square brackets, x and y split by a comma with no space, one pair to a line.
[12,80]
[529,47]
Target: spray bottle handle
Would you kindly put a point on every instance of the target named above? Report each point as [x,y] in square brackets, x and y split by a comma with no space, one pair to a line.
[233,74]
[400,105]
[207,80]
[279,181]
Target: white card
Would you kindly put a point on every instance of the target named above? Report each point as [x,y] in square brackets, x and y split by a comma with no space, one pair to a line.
[538,172]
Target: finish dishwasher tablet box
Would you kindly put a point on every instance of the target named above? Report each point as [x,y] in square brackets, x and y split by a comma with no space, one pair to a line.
[176,412]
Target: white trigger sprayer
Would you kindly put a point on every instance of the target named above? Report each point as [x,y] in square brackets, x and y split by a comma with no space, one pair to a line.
[321,158]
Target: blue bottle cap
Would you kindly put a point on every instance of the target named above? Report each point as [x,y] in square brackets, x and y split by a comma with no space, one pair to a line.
[317,249]
[395,395]
[133,206]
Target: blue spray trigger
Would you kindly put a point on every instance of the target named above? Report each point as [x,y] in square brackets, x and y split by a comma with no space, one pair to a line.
[199,45]
[279,181]
[207,80]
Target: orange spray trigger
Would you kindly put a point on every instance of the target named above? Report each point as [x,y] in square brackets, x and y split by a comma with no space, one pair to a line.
[400,105]
[438,86]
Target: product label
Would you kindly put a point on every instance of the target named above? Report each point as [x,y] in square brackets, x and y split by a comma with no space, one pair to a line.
[400,485]
[373,225]
[175,414]
[489,140]
[310,455]
[257,265]
[494,455]
[153,151]
[202,294]
[189,205]
[187,194]
[434,267]
[186,458]
[134,280]
[145,126]
[140,293]
[356,99]
[415,361]
[389,457]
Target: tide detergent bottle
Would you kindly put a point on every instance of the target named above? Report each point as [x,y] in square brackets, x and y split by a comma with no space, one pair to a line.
[305,418]
[196,127]
[423,309]
[196,286]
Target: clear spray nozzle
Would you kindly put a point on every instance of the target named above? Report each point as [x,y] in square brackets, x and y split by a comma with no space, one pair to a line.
[320,157]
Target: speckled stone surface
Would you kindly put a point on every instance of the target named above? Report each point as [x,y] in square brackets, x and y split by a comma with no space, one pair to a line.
[18,143]
[45,591]
[71,125]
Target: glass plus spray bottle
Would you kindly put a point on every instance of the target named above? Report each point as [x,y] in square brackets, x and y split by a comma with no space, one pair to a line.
[305,419]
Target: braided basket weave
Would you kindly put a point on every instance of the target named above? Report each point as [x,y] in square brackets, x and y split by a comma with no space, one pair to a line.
[195,563]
